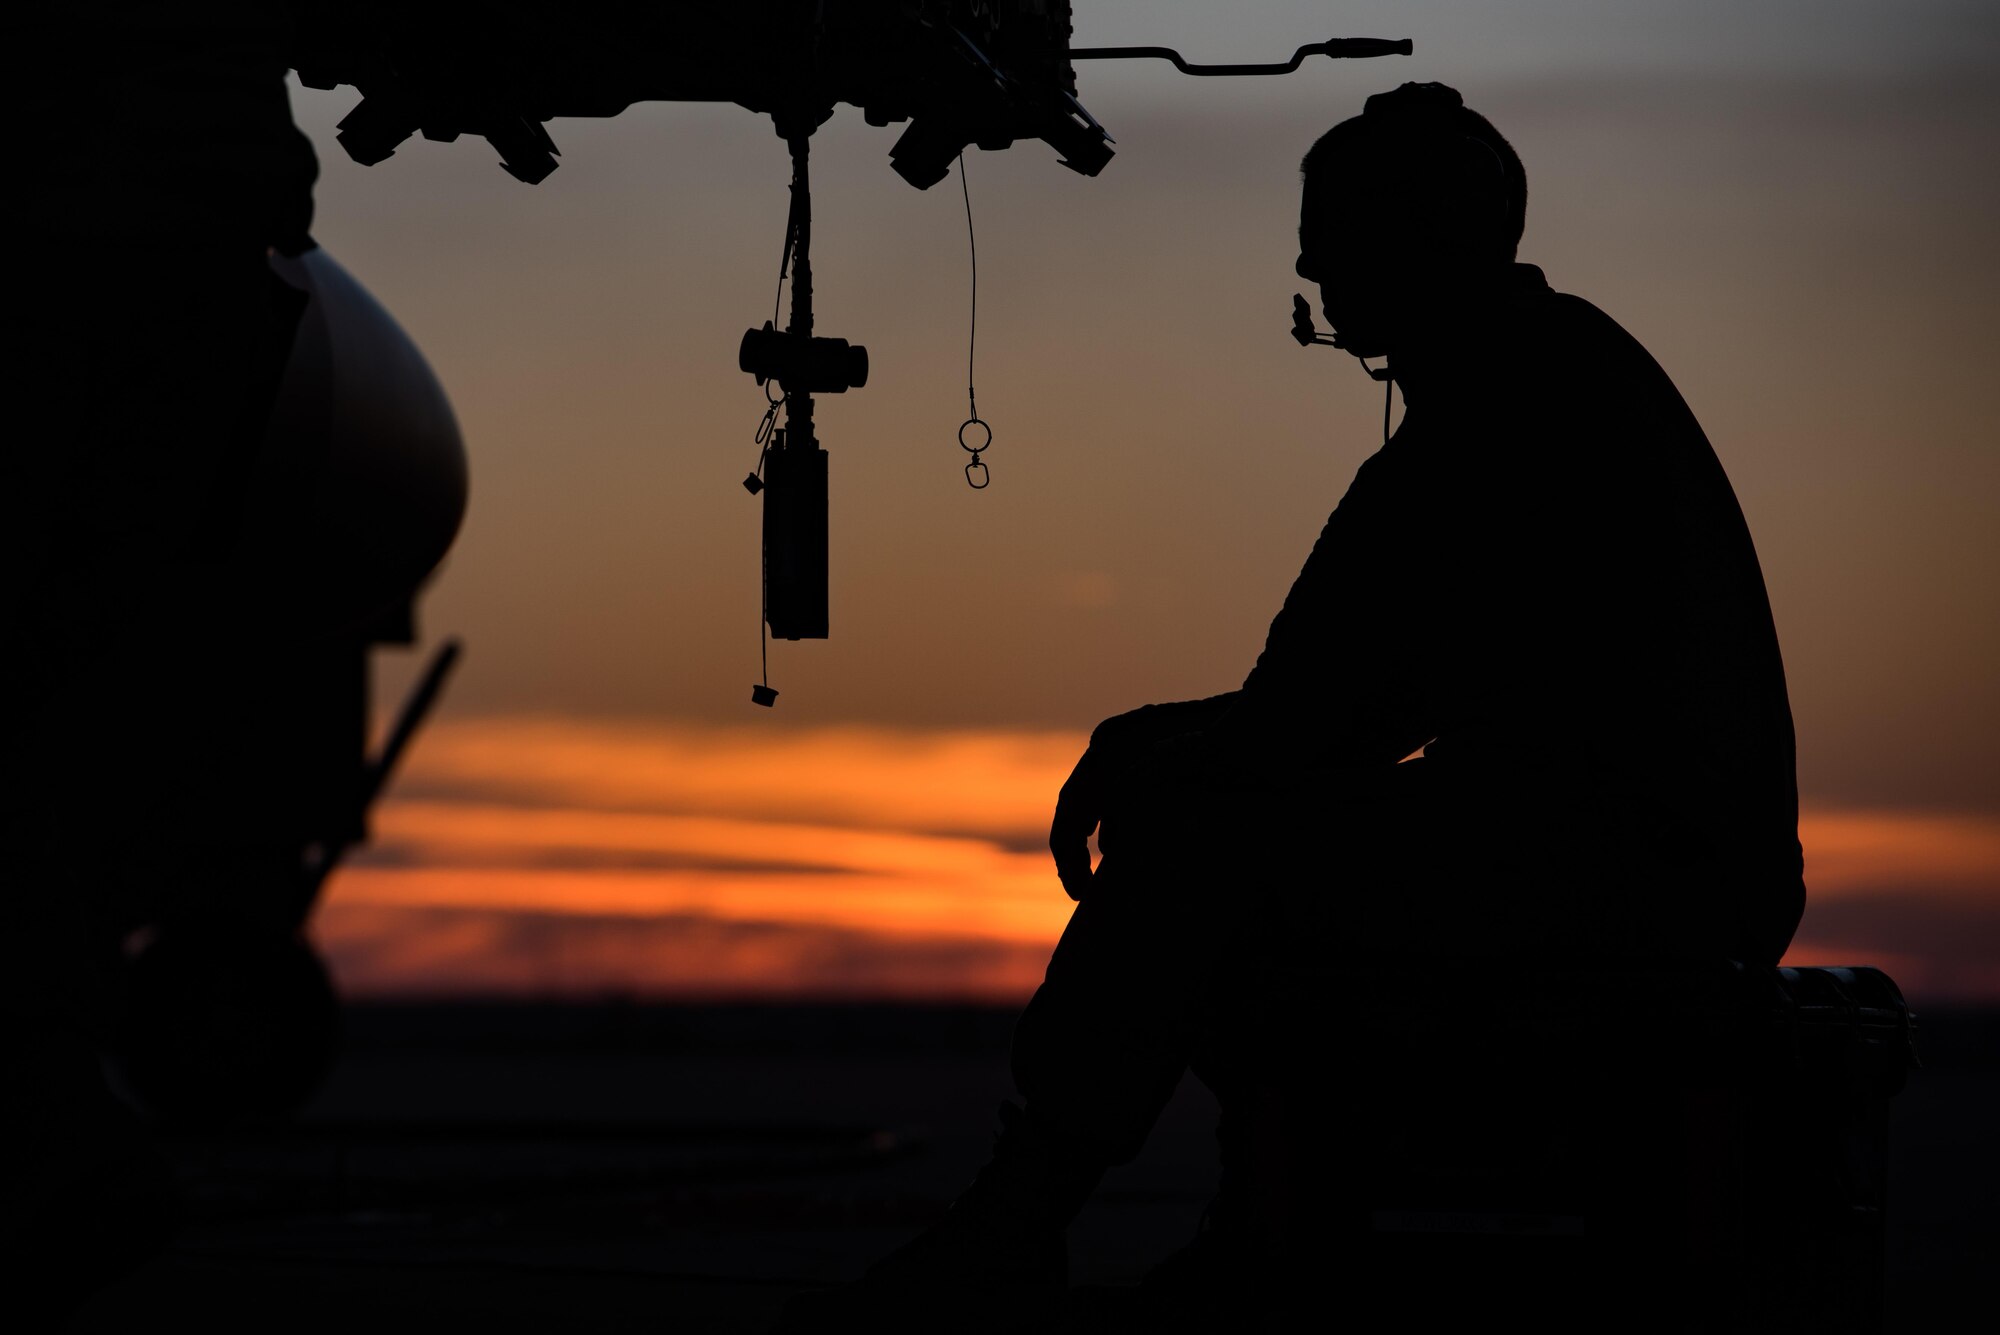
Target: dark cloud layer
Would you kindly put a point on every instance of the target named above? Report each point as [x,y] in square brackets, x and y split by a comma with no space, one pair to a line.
[472,952]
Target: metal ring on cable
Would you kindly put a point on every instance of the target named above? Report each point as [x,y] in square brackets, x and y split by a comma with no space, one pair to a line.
[977,475]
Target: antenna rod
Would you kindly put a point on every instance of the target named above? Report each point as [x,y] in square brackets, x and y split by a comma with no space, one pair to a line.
[1340,48]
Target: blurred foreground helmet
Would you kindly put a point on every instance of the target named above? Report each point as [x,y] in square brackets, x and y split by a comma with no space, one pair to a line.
[360,486]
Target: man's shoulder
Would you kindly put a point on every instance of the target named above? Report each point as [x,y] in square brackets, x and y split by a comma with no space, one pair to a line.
[1573,326]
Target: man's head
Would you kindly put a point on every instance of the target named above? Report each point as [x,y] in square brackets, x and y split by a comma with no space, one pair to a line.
[1410,209]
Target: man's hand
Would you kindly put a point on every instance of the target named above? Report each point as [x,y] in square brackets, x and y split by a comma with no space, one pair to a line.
[1156,750]
[1138,763]
[1114,745]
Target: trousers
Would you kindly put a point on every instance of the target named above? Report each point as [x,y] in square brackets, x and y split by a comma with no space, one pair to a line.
[1221,918]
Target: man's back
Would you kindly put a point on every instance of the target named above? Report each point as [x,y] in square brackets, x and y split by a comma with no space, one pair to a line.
[1545,576]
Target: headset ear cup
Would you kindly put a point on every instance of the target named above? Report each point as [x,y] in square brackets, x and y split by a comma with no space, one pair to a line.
[1486,175]
[1417,118]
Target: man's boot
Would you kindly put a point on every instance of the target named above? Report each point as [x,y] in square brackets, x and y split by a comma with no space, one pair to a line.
[996,1262]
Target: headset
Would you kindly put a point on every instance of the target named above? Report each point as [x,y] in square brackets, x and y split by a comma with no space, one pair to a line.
[1435,113]
[1411,118]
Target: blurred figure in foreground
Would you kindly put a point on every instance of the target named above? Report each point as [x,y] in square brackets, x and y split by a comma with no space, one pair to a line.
[1543,584]
[242,472]
[149,341]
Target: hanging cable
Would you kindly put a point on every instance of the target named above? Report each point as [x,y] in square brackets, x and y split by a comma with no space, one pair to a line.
[972,330]
[767,428]
[977,474]
[773,401]
[785,261]
[768,435]
[1381,375]
[762,694]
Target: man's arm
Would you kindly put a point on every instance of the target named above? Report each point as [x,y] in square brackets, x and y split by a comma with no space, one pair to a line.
[1341,680]
[1337,683]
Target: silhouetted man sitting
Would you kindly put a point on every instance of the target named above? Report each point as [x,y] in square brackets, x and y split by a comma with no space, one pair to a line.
[1542,582]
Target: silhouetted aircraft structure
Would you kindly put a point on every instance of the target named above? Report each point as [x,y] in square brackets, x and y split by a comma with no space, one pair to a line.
[960,73]
[356,495]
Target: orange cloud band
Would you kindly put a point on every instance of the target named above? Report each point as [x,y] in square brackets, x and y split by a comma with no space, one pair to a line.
[552,856]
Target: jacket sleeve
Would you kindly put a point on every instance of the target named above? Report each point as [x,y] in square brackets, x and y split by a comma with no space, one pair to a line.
[1339,681]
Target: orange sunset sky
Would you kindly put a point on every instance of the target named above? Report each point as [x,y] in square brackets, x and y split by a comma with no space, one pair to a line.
[1792,204]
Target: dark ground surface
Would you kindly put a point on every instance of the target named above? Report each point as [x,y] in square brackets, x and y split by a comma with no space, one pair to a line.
[639,1168]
